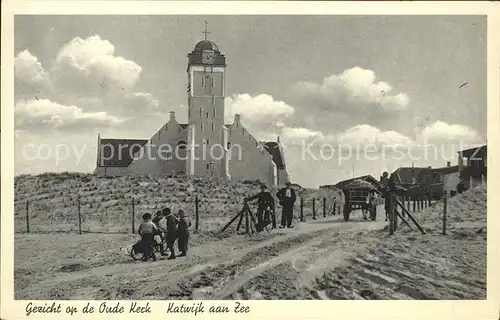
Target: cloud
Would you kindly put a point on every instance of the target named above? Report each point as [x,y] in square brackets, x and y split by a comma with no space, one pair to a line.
[43,115]
[364,134]
[442,132]
[90,65]
[257,108]
[28,69]
[355,88]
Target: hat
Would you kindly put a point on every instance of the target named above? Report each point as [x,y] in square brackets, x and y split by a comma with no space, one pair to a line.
[181,213]
[146,216]
[263,186]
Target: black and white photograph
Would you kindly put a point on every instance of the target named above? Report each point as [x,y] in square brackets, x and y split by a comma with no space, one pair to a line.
[249,157]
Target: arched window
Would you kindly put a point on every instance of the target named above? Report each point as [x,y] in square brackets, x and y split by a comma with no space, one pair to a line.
[207,85]
[181,144]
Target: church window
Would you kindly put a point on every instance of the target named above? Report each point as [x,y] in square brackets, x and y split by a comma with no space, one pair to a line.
[208,165]
[206,114]
[213,82]
[201,111]
[181,144]
[213,113]
[213,99]
[229,145]
[201,126]
[213,126]
[207,87]
[208,141]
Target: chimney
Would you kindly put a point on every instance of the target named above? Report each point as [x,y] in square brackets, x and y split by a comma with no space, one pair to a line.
[237,118]
[172,115]
[448,164]
[429,167]
[278,139]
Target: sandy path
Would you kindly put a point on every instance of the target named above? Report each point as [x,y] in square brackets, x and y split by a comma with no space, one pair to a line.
[217,266]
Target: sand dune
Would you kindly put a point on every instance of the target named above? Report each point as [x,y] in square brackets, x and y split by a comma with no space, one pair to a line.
[319,259]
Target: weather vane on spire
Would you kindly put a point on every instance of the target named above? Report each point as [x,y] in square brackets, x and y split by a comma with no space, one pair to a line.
[206,32]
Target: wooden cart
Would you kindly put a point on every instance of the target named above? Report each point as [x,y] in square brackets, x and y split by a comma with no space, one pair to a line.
[356,194]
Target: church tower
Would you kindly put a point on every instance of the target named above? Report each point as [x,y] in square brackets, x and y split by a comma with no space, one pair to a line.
[206,96]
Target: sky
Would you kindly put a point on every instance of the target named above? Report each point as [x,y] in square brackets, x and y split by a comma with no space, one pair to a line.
[323,84]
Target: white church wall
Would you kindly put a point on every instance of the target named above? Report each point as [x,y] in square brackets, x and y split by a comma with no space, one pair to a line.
[159,156]
[111,171]
[251,163]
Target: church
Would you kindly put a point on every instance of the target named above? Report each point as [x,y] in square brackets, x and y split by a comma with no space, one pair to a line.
[205,146]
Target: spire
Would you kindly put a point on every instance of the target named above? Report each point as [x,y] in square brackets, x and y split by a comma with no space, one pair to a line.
[206,32]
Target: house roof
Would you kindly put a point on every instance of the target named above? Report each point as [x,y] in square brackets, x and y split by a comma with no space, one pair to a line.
[274,150]
[405,175]
[446,170]
[344,183]
[477,150]
[118,152]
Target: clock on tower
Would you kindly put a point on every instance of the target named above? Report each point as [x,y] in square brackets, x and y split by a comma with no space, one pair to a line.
[207,57]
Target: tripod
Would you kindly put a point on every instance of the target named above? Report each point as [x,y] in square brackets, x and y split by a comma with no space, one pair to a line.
[249,217]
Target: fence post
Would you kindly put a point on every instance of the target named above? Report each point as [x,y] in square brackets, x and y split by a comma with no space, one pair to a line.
[445,208]
[421,197]
[430,200]
[391,213]
[334,206]
[414,203]
[79,215]
[197,217]
[314,208]
[133,216]
[301,209]
[27,216]
[324,207]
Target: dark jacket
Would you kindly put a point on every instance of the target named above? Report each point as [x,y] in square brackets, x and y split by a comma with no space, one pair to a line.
[171,226]
[286,201]
[264,200]
[183,227]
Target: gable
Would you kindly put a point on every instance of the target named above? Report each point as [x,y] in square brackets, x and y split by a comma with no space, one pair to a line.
[118,152]
[274,150]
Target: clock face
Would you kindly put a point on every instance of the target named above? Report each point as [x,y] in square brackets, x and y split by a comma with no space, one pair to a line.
[207,57]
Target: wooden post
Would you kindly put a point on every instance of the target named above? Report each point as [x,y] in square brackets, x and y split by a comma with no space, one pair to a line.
[314,208]
[414,198]
[196,214]
[421,197]
[445,208]
[334,206]
[430,200]
[324,207]
[391,213]
[301,209]
[79,215]
[27,217]
[133,216]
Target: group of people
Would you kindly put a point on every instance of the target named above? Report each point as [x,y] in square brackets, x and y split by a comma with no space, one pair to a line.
[265,206]
[170,228]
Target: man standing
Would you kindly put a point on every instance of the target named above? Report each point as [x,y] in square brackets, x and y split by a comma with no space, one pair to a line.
[287,199]
[171,231]
[265,201]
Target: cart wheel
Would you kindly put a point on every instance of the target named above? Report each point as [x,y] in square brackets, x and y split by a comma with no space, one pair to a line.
[136,255]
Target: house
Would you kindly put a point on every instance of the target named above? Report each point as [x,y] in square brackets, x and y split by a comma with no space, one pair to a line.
[419,180]
[473,166]
[205,146]
[447,177]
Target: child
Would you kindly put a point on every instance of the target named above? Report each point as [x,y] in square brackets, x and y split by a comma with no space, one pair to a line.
[147,230]
[171,231]
[183,233]
[159,222]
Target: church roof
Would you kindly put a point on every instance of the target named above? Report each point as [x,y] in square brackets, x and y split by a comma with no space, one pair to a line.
[274,150]
[118,152]
[206,45]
